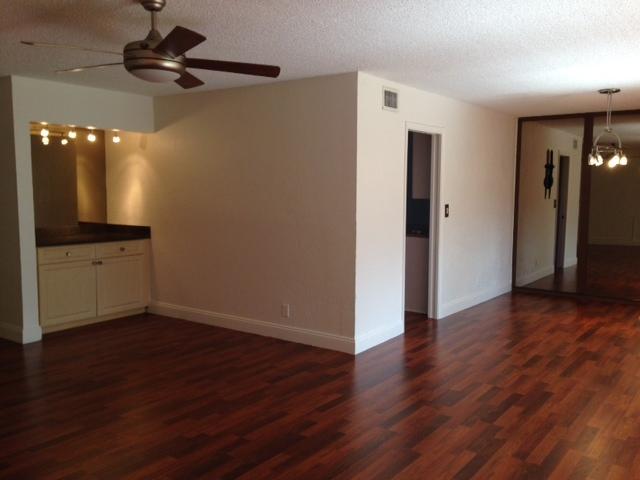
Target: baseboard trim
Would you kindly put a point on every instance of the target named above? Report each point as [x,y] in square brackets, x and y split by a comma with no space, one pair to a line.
[378,336]
[11,332]
[258,327]
[90,321]
[472,300]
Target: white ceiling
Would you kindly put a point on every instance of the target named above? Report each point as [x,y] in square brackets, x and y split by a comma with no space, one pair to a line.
[527,57]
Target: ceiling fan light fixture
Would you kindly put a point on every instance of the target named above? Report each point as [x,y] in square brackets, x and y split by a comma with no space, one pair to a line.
[156,75]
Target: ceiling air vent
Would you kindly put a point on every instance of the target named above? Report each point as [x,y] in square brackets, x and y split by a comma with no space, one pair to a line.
[389,99]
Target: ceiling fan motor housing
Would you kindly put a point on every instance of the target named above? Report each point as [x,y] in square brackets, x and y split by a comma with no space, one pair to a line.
[153,5]
[143,62]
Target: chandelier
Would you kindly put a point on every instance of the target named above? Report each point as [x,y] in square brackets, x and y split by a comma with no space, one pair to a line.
[599,150]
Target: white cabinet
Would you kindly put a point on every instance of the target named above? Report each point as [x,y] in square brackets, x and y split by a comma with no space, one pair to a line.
[67,292]
[89,283]
[121,284]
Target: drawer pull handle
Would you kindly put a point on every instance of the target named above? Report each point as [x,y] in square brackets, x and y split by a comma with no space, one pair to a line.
[67,254]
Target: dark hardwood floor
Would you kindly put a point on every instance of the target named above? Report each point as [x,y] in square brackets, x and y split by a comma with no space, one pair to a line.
[520,387]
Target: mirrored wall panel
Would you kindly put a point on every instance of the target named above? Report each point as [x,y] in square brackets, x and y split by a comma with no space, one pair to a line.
[613,249]
[549,204]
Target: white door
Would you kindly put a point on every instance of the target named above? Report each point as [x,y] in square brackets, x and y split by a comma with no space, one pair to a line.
[67,292]
[121,284]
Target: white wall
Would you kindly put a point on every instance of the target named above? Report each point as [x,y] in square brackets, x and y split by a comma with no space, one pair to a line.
[537,216]
[39,100]
[250,195]
[477,180]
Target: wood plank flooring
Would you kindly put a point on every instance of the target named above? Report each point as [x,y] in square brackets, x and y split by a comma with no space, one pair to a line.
[522,386]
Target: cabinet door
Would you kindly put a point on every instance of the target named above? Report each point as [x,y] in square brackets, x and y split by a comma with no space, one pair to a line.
[67,292]
[121,284]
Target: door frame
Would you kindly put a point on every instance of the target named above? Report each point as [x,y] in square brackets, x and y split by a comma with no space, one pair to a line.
[562,201]
[435,207]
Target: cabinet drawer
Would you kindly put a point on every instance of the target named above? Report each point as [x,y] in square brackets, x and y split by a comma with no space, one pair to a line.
[119,249]
[66,253]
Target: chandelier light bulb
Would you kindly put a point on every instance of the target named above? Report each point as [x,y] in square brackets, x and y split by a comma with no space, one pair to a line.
[592,160]
[600,160]
[45,140]
[614,161]
[624,160]
[64,141]
[44,133]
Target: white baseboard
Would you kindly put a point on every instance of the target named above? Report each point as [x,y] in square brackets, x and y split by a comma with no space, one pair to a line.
[90,321]
[258,327]
[378,336]
[20,333]
[523,280]
[11,332]
[472,300]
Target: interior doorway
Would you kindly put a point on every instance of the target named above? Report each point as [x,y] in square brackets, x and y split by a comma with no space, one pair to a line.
[421,212]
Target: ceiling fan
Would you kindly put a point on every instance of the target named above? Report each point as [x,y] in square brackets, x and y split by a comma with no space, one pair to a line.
[162,59]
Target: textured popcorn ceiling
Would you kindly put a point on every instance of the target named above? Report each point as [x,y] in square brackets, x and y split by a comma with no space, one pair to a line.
[521,56]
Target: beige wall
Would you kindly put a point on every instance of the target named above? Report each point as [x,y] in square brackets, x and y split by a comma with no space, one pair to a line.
[250,194]
[10,286]
[477,180]
[537,216]
[40,100]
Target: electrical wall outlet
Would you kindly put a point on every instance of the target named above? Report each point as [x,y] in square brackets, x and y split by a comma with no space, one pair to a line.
[285,310]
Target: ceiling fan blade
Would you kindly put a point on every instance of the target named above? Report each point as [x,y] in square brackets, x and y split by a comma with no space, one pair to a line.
[234,67]
[74,47]
[178,41]
[189,81]
[88,67]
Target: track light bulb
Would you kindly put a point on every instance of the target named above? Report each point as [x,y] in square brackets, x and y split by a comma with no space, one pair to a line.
[72,134]
[116,138]
[44,133]
[64,141]
[91,137]
[45,140]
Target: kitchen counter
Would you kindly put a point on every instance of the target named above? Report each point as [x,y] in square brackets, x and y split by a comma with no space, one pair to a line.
[86,232]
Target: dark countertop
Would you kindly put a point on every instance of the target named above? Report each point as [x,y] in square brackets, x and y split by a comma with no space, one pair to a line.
[86,232]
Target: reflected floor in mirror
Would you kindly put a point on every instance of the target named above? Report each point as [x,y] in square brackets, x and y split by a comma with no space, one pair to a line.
[563,280]
[614,271]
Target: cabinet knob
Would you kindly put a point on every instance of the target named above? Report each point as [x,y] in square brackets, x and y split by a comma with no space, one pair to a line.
[67,254]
